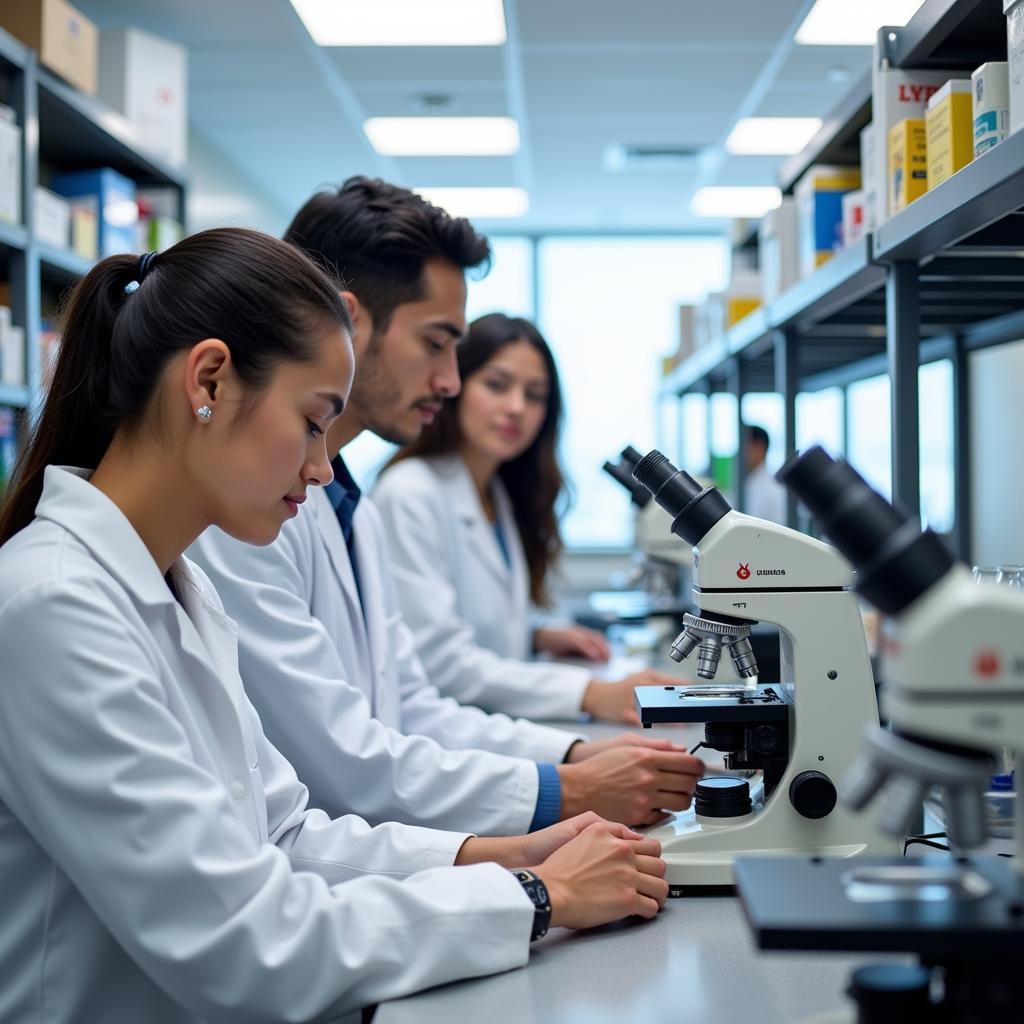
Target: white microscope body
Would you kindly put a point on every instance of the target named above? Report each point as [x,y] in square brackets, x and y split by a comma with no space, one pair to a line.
[749,570]
[953,694]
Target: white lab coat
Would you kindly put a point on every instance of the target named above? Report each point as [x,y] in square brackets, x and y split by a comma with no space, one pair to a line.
[468,610]
[337,688]
[158,862]
[763,496]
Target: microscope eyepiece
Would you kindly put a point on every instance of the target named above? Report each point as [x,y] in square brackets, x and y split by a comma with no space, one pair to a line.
[622,473]
[694,509]
[895,560]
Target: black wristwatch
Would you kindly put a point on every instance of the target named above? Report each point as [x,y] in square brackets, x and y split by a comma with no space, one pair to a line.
[538,893]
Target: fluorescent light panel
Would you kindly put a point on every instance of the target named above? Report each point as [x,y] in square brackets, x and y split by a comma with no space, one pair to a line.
[771,135]
[404,22]
[724,201]
[443,136]
[479,203]
[841,23]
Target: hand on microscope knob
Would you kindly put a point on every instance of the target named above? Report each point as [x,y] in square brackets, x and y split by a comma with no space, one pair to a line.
[616,701]
[635,785]
[606,873]
[572,642]
[583,749]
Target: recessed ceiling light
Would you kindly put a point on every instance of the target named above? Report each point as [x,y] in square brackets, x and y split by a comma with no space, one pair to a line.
[443,136]
[404,22]
[840,23]
[725,201]
[771,135]
[479,203]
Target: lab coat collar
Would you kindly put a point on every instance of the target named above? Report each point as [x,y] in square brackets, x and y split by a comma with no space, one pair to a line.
[319,506]
[70,501]
[469,512]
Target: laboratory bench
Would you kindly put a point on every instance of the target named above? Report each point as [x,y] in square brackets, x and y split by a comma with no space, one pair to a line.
[696,962]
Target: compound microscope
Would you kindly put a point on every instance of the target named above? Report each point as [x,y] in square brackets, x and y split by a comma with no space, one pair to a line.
[659,560]
[953,693]
[799,736]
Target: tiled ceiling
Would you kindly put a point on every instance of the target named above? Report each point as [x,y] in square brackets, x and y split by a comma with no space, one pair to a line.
[580,75]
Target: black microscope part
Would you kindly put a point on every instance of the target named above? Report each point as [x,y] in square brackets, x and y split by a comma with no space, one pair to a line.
[722,796]
[896,561]
[622,473]
[694,509]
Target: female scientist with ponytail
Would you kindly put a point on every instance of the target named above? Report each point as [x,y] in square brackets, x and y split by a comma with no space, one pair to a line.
[158,861]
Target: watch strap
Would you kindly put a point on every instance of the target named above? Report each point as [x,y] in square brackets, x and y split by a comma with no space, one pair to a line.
[538,893]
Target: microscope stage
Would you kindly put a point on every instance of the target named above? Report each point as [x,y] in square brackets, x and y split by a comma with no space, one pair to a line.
[708,702]
[820,903]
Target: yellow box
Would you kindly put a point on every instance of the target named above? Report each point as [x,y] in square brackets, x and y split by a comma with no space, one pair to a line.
[949,131]
[908,162]
[737,307]
[67,42]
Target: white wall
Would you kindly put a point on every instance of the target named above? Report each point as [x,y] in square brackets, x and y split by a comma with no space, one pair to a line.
[220,194]
[997,455]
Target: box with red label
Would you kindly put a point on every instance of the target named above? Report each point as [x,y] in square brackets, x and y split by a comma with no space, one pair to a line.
[854,227]
[896,96]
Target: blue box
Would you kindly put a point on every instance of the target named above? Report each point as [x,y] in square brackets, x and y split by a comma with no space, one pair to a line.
[112,197]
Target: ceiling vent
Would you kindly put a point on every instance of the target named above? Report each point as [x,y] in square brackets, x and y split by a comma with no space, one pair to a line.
[620,158]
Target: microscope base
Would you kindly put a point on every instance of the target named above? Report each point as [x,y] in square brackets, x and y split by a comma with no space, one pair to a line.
[976,938]
[701,852]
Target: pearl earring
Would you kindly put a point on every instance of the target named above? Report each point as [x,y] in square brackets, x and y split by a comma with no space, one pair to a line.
[205,413]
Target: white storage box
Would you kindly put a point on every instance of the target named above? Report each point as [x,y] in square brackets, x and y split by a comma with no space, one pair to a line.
[146,79]
[990,105]
[12,356]
[778,246]
[53,219]
[853,217]
[868,179]
[10,167]
[1014,11]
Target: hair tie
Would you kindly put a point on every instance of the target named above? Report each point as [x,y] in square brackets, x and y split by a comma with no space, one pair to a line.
[145,265]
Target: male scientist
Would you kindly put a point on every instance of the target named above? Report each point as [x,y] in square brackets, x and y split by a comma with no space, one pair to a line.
[323,651]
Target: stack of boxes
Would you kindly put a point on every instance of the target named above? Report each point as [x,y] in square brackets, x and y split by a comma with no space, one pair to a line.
[819,198]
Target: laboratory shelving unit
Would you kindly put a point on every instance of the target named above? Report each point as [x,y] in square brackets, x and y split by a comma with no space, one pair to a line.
[939,280]
[62,130]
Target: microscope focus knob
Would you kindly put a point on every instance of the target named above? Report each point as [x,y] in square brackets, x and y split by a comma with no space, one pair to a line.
[812,794]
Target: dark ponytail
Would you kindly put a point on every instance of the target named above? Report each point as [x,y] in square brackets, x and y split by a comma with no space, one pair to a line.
[262,297]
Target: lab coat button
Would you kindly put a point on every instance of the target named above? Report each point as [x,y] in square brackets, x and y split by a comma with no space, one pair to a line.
[237,789]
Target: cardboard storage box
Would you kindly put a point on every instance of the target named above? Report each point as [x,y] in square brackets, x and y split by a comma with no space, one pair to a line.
[146,79]
[949,132]
[819,197]
[67,42]
[908,162]
[990,90]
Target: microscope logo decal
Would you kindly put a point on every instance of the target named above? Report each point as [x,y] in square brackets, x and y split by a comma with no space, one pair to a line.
[986,664]
[743,572]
